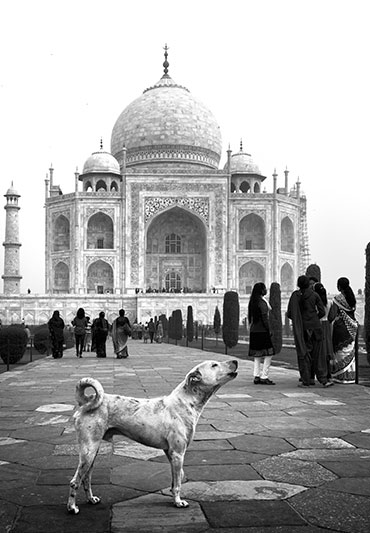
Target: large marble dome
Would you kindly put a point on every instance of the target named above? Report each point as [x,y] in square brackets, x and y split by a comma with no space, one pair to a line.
[166,125]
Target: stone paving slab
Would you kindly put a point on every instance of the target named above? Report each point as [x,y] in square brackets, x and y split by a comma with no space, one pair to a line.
[251,442]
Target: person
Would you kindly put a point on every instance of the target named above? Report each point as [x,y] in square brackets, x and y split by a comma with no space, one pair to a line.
[151,329]
[160,332]
[88,338]
[260,345]
[121,329]
[79,323]
[56,329]
[345,330]
[305,309]
[146,334]
[100,329]
[327,345]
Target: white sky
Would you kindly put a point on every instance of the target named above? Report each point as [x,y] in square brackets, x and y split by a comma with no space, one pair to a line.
[289,77]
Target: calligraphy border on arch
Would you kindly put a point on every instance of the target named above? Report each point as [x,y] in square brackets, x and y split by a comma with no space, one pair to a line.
[153,205]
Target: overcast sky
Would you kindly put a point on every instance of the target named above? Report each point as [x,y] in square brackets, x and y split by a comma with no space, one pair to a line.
[291,78]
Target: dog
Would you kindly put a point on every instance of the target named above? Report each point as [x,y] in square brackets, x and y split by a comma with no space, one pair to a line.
[167,423]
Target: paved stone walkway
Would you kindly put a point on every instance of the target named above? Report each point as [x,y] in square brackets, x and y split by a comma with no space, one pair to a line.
[264,458]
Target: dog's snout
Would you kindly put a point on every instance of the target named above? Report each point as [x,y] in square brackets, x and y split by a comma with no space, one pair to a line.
[233,364]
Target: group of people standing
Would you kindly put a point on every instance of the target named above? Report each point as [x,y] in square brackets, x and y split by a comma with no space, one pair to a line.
[100,327]
[325,333]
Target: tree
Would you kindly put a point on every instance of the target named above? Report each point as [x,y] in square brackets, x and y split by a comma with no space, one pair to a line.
[189,325]
[231,310]
[164,321]
[177,324]
[367,303]
[313,271]
[217,323]
[276,323]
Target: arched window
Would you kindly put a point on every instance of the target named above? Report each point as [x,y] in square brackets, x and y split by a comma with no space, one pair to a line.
[245,187]
[249,274]
[257,188]
[114,186]
[287,235]
[61,234]
[286,277]
[88,186]
[232,187]
[101,186]
[100,278]
[252,233]
[61,278]
[100,232]
[173,244]
[173,282]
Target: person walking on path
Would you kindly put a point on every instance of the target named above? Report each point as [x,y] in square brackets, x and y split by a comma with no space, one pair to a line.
[100,329]
[305,309]
[151,328]
[79,323]
[56,329]
[260,345]
[327,344]
[345,330]
[121,330]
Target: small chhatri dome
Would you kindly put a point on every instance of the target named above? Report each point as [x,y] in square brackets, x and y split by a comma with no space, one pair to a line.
[165,125]
[242,163]
[101,163]
[12,191]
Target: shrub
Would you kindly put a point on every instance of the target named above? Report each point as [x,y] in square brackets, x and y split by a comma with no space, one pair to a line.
[177,324]
[217,321]
[276,324]
[41,339]
[190,325]
[231,310]
[13,342]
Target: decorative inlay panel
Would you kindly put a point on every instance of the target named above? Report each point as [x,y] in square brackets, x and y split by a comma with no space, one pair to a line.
[106,210]
[65,212]
[61,259]
[260,260]
[244,212]
[94,258]
[154,205]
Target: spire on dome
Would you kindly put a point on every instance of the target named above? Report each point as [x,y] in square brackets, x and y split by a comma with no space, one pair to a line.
[101,143]
[166,63]
[241,145]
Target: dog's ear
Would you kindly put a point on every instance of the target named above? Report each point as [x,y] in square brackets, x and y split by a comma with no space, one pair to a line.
[194,378]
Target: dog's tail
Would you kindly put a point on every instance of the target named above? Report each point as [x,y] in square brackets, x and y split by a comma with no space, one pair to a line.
[89,403]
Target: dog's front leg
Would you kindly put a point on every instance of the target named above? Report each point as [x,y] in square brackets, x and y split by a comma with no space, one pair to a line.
[83,474]
[176,460]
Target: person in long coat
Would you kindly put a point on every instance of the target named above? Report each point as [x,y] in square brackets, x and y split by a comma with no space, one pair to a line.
[100,329]
[56,329]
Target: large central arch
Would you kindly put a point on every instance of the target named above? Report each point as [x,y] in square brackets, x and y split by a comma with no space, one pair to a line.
[176,248]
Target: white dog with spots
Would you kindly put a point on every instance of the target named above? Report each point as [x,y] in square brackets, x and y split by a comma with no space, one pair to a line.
[167,423]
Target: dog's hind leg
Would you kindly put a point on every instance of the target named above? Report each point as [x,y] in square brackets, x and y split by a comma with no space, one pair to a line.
[83,475]
[176,460]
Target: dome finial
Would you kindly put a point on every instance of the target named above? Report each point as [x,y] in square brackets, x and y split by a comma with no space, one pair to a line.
[101,143]
[241,145]
[166,63]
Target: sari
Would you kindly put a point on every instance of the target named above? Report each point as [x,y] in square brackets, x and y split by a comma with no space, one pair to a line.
[345,329]
[56,329]
[120,337]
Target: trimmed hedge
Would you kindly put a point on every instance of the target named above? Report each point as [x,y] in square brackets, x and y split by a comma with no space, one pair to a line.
[13,343]
[276,325]
[231,311]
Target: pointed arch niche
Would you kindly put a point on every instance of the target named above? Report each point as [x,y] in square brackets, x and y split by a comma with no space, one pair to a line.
[99,278]
[252,233]
[61,278]
[100,232]
[61,234]
[176,249]
[249,274]
[287,278]
[287,235]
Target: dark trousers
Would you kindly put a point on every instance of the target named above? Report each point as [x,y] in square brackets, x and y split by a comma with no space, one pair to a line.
[315,362]
[151,335]
[80,341]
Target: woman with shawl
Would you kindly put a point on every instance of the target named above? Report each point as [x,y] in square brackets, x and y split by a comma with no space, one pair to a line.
[100,330]
[56,329]
[345,329]
[121,330]
[260,345]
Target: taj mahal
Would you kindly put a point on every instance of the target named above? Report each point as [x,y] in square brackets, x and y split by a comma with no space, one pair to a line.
[154,224]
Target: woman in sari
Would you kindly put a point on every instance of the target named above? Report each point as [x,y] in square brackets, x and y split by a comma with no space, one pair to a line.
[121,330]
[100,330]
[56,329]
[345,329]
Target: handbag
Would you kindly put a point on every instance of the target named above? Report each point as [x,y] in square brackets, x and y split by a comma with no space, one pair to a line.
[126,329]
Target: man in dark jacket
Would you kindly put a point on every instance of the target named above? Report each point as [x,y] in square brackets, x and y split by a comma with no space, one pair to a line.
[305,309]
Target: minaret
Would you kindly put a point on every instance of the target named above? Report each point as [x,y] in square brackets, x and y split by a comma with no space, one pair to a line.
[11,275]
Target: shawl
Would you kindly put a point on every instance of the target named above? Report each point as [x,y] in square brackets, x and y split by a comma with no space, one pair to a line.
[294,313]
[344,309]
